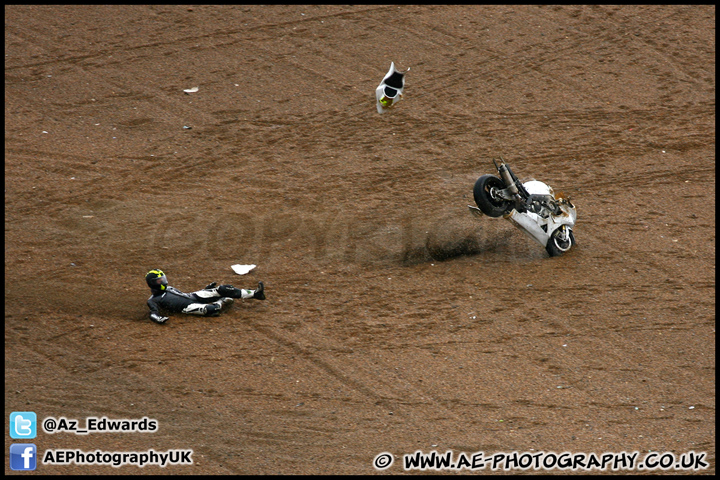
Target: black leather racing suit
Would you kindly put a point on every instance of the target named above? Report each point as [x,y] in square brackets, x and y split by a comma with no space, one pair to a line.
[206,302]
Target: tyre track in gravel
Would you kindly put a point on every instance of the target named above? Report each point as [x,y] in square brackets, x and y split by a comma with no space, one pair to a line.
[73,364]
[355,376]
[97,177]
[676,64]
[178,43]
[67,353]
[175,108]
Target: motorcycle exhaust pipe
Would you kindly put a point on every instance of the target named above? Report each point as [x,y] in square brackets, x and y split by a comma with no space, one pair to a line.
[512,187]
[507,178]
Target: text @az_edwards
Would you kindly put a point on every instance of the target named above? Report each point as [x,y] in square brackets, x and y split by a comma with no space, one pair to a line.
[99,425]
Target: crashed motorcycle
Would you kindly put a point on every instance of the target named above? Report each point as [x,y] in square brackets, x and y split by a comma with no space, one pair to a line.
[531,205]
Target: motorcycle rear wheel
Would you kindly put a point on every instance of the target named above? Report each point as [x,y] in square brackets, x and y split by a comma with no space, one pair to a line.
[486,198]
[557,245]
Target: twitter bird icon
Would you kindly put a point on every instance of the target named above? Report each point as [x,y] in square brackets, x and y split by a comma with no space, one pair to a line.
[23,425]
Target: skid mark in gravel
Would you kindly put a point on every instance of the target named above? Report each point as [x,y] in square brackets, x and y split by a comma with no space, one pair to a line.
[381,391]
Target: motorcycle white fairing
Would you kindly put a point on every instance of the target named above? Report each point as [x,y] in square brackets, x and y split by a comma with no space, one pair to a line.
[390,90]
[536,226]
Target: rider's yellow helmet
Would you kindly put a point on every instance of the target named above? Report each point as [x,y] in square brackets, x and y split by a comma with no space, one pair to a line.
[156,279]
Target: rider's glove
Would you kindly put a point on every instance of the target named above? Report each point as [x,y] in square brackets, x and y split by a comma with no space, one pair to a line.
[212,285]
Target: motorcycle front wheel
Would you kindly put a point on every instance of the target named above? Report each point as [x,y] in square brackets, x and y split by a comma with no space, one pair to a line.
[487,197]
[560,241]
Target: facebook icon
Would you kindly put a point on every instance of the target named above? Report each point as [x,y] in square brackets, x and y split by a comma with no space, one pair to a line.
[23,456]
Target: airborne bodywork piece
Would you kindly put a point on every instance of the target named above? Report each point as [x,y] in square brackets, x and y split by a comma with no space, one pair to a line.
[390,90]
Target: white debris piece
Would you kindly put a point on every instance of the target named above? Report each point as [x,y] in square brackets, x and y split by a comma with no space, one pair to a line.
[191,90]
[242,269]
